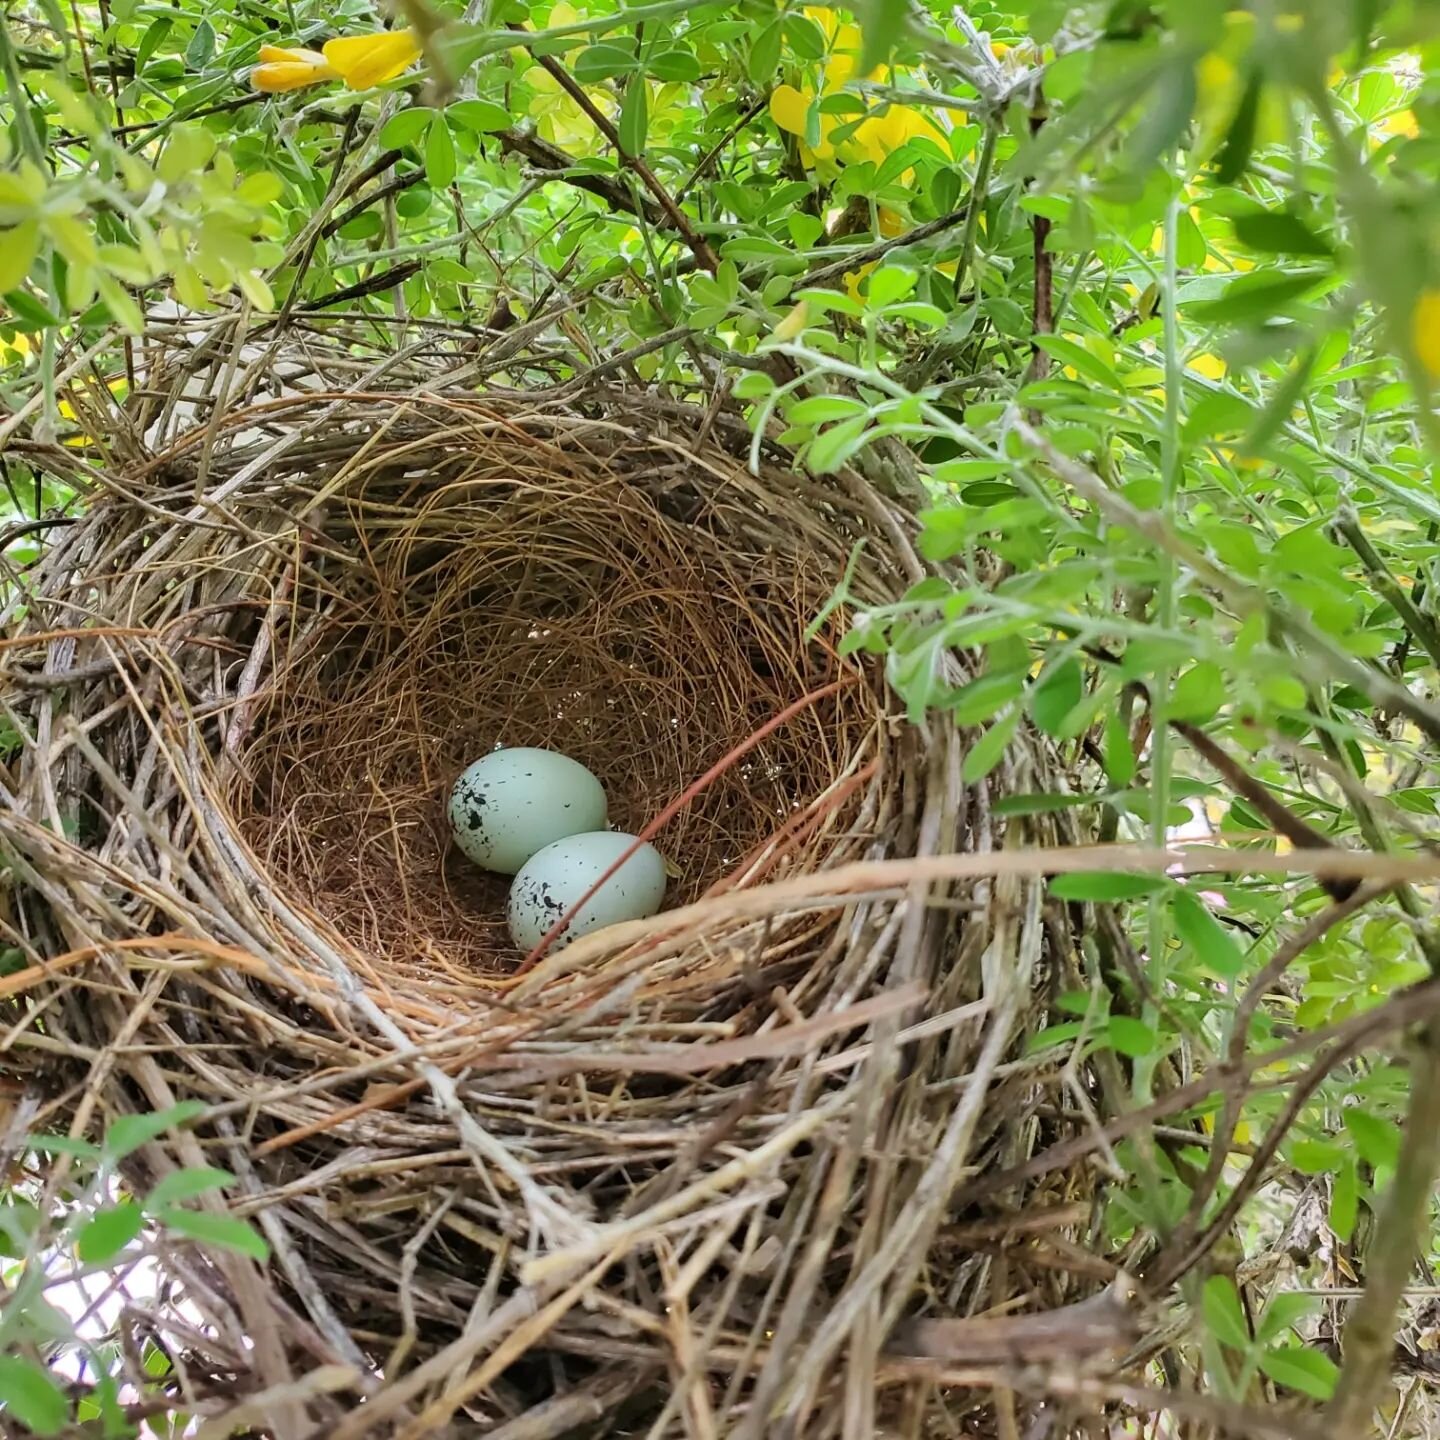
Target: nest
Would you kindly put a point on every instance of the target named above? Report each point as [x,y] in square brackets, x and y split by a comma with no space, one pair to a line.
[684,1176]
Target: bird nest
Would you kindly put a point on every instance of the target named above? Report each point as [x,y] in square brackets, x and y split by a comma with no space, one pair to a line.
[683,1176]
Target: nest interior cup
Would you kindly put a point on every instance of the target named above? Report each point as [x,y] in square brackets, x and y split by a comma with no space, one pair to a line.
[567,590]
[248,677]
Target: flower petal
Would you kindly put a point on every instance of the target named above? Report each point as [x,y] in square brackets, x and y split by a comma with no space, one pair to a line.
[1425,331]
[280,76]
[789,109]
[290,54]
[366,60]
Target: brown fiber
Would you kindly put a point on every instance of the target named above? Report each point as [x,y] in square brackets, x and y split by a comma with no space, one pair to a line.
[681,1184]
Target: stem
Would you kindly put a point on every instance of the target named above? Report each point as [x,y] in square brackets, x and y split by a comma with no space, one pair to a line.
[1348,525]
[978,192]
[1369,1337]
[1158,937]
[29,136]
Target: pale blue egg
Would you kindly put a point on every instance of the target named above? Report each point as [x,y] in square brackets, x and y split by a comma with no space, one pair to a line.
[511,803]
[555,878]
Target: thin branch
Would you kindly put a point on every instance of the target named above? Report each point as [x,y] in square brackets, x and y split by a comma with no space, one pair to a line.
[1348,525]
[1369,1334]
[823,274]
[550,158]
[679,220]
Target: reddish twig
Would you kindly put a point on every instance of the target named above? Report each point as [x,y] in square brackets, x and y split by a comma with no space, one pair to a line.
[678,804]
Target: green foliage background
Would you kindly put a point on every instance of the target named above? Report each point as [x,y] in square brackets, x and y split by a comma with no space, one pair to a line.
[1148,293]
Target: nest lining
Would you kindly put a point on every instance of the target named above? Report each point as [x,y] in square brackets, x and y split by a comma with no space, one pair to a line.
[501,598]
[248,690]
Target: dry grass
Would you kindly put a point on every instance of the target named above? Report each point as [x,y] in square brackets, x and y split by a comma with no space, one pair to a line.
[684,1182]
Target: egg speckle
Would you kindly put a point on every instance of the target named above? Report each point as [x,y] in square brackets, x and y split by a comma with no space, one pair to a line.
[555,878]
[511,803]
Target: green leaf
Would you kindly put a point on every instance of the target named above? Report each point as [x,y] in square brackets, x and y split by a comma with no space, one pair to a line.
[979,699]
[29,311]
[882,22]
[1277,232]
[186,1185]
[1298,1367]
[765,54]
[1130,1037]
[20,1222]
[1254,296]
[32,1396]
[63,1145]
[1106,886]
[1316,1157]
[201,49]
[831,449]
[1040,804]
[818,409]
[1376,1139]
[1119,753]
[130,1132]
[1198,693]
[1163,122]
[150,42]
[806,38]
[1240,138]
[675,67]
[107,1232]
[1224,1316]
[604,62]
[1057,692]
[1282,1313]
[987,752]
[1283,402]
[406,127]
[18,248]
[439,155]
[1079,359]
[1205,935]
[223,1230]
[1190,248]
[481,116]
[635,117]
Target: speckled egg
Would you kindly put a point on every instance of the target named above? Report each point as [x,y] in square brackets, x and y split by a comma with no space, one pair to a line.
[553,879]
[511,803]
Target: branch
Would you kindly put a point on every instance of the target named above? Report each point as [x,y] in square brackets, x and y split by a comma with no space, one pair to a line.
[1415,622]
[881,248]
[679,220]
[1369,1334]
[550,158]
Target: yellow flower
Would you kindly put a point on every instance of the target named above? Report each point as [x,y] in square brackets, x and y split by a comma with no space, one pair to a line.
[366,60]
[874,137]
[1425,331]
[361,61]
[1402,122]
[1212,367]
[280,70]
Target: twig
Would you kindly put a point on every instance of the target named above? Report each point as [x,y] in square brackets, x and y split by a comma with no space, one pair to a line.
[709,158]
[699,246]
[553,160]
[823,274]
[1044,322]
[1176,1258]
[1369,1334]
[1419,625]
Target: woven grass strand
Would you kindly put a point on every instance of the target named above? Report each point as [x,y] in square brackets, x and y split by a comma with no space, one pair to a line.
[246,678]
